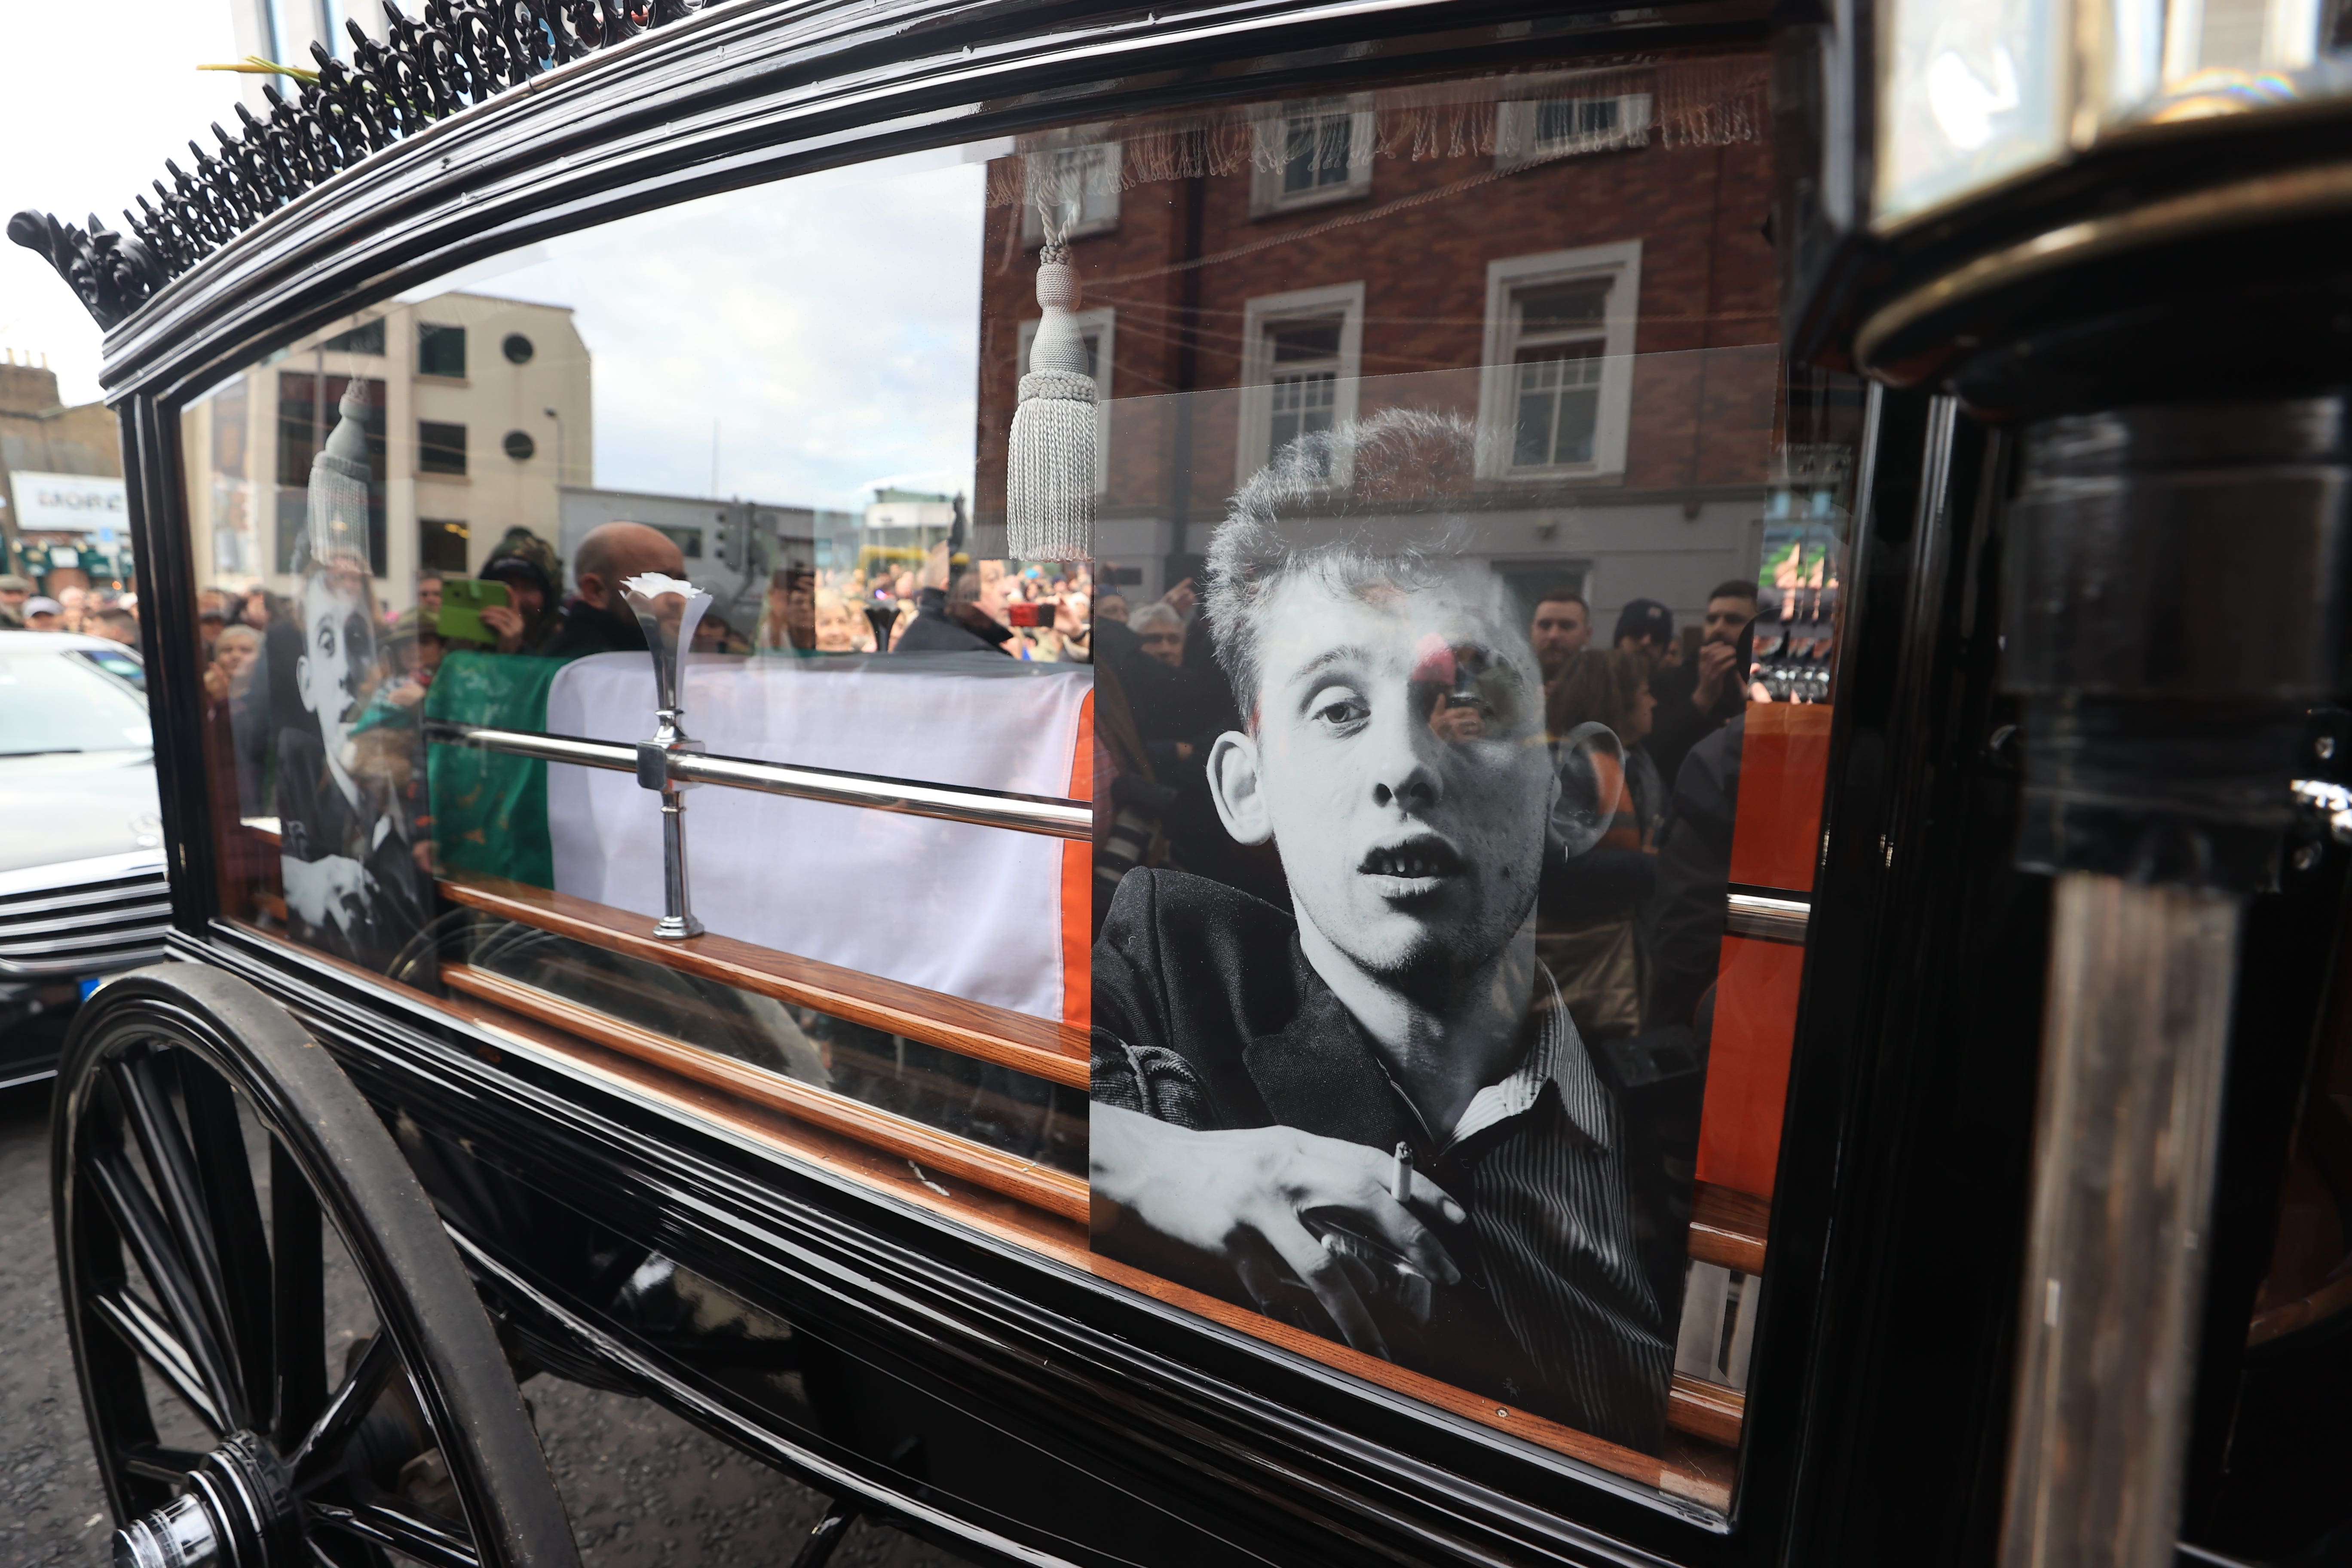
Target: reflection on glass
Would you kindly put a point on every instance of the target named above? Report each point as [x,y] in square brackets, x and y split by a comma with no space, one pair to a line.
[991,1105]
[1461,546]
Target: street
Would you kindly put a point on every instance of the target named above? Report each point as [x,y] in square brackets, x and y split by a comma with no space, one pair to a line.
[642,1485]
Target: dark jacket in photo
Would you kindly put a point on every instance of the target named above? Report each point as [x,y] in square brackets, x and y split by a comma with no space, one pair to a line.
[1680,725]
[1208,1016]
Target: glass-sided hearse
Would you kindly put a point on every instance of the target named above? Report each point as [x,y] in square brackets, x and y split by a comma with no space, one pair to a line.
[1273,783]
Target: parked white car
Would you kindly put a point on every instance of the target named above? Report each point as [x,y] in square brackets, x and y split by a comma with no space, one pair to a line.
[82,889]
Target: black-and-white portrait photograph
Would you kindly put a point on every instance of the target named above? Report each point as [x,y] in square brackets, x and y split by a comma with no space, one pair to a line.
[1336,1075]
[348,844]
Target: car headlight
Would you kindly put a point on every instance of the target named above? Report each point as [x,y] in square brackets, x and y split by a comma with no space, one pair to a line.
[1975,92]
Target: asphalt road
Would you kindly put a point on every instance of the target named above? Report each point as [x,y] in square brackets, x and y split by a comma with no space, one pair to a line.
[643,1486]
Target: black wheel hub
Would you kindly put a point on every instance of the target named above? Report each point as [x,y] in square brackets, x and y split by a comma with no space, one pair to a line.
[238,1511]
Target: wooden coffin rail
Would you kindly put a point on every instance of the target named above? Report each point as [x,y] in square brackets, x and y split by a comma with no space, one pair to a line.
[1038,1046]
[1055,1192]
[1707,1410]
[1727,1228]
[1703,1409]
[1065,1241]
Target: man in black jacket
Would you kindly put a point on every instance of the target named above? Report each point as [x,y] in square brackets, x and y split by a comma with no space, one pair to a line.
[1698,697]
[348,868]
[599,619]
[1369,1114]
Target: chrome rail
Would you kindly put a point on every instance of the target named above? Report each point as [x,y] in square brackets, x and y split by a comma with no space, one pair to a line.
[1045,815]
[1767,919]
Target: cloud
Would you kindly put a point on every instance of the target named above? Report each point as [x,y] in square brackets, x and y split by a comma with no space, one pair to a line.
[92,99]
[828,326]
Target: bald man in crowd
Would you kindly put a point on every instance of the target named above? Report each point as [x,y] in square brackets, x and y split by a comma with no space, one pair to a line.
[600,620]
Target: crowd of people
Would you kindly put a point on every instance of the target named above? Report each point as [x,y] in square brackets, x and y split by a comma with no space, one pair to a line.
[109,613]
[1040,612]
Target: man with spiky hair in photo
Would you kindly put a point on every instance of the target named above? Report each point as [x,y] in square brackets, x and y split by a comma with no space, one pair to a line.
[1369,1114]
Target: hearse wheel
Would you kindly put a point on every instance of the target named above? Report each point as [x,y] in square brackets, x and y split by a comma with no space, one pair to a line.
[282,1361]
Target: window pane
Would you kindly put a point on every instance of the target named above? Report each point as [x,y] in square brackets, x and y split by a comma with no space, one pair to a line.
[837,453]
[1559,408]
[440,350]
[440,449]
[365,339]
[1316,148]
[1563,306]
[1562,121]
[441,545]
[993,1106]
[310,408]
[1296,340]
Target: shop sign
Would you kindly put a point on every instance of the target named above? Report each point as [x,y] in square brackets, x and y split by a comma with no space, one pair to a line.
[79,503]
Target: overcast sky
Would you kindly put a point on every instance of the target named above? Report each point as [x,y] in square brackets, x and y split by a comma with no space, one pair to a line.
[93,97]
[829,327]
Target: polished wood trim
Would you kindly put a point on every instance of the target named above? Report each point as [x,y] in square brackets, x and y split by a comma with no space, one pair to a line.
[2301,1312]
[1063,1240]
[1709,1410]
[1702,1471]
[1055,1192]
[958,1183]
[1727,1227]
[1038,1046]
[940,1191]
[1647,1468]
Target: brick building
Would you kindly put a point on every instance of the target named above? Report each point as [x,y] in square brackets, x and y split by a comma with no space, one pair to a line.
[1576,259]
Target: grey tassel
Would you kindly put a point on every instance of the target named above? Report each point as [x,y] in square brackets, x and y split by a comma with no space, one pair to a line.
[339,489]
[1049,481]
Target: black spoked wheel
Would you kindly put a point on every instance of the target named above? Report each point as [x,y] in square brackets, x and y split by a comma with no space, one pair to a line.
[281,1356]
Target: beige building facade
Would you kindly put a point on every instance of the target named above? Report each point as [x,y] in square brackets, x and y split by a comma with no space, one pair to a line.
[61,481]
[480,409]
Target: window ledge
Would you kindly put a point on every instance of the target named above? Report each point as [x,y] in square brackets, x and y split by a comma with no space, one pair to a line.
[1562,476]
[1319,199]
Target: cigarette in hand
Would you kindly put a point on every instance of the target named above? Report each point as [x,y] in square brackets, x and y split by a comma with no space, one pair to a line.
[1401,1179]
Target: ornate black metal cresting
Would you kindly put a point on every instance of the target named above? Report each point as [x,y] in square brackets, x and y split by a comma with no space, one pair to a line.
[458,53]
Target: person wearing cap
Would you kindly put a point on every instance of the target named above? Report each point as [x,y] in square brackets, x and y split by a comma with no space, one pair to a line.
[1648,628]
[14,592]
[44,615]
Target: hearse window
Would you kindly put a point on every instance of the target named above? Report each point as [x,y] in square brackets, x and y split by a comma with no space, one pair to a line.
[1042,721]
[440,350]
[1304,352]
[1074,188]
[1313,152]
[441,544]
[440,447]
[365,339]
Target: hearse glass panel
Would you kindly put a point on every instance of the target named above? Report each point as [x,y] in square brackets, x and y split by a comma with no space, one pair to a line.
[1239,695]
